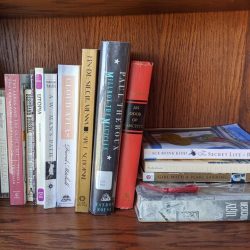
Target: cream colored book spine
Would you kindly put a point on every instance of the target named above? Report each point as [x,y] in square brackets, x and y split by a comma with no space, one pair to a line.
[85,129]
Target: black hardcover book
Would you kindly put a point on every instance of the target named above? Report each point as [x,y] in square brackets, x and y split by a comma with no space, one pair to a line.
[110,100]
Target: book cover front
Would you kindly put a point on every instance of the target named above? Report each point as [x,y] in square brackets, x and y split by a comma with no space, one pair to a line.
[68,92]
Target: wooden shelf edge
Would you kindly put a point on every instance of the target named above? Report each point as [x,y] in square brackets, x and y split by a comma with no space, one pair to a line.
[25,8]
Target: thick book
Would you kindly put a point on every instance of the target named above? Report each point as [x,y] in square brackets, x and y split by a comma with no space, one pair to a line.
[40,135]
[217,142]
[4,174]
[85,128]
[112,82]
[136,101]
[168,202]
[194,177]
[68,98]
[50,82]
[14,136]
[198,165]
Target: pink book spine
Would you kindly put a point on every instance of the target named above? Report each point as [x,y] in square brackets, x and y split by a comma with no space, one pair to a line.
[14,134]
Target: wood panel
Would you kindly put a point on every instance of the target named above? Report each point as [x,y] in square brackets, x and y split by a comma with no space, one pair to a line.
[198,58]
[113,7]
[61,228]
[245,90]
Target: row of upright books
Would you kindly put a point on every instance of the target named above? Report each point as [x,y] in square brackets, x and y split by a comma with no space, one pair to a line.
[66,131]
[195,174]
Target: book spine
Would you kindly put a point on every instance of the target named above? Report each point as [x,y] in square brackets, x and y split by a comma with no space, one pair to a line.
[161,154]
[40,135]
[217,209]
[136,101]
[14,135]
[196,177]
[113,70]
[68,91]
[85,129]
[24,84]
[50,81]
[33,124]
[29,117]
[4,175]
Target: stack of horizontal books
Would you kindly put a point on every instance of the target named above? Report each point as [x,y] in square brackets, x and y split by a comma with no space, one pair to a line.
[195,174]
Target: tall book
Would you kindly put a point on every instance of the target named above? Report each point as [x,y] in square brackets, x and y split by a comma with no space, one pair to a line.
[40,135]
[50,81]
[14,135]
[136,101]
[68,98]
[32,129]
[24,84]
[217,142]
[85,129]
[112,81]
[4,175]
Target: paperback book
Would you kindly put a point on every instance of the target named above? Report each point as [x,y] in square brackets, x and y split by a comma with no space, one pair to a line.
[217,142]
[68,97]
[188,202]
[4,175]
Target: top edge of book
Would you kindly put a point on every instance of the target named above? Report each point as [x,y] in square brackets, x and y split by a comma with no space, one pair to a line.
[225,142]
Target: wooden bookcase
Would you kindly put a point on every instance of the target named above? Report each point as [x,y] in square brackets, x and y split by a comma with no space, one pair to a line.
[201,55]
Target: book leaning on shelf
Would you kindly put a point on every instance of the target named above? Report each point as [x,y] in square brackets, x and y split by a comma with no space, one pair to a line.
[136,101]
[112,82]
[217,142]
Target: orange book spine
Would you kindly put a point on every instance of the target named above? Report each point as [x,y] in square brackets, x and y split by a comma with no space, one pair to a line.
[136,100]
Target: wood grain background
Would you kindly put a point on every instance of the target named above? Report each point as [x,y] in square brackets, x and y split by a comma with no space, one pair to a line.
[198,58]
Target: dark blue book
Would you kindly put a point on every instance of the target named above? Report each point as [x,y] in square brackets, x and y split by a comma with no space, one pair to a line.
[110,100]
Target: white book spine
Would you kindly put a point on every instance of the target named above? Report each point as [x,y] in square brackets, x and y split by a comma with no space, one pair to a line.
[68,95]
[160,154]
[40,135]
[30,161]
[3,147]
[50,139]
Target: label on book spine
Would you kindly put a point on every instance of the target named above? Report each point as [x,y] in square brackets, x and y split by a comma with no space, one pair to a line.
[114,62]
[68,89]
[85,129]
[50,139]
[15,147]
[4,176]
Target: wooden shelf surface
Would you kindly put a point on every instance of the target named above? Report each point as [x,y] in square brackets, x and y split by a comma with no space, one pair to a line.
[61,228]
[114,7]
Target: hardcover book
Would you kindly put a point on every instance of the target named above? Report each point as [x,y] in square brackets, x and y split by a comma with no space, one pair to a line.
[14,136]
[198,165]
[136,100]
[50,81]
[187,202]
[85,129]
[217,142]
[112,81]
[4,175]
[40,135]
[68,92]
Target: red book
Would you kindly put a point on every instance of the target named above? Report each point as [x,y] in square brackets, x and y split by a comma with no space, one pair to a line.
[136,100]
[14,135]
